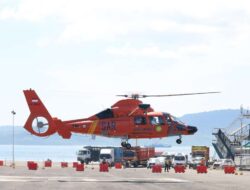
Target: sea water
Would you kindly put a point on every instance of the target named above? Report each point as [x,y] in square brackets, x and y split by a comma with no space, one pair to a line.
[39,152]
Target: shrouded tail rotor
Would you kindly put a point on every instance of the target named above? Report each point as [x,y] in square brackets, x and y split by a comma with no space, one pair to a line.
[40,125]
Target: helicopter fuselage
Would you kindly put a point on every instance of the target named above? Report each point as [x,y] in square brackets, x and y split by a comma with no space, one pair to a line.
[128,118]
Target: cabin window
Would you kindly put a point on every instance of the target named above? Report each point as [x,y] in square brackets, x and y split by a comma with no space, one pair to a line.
[140,120]
[108,113]
[156,120]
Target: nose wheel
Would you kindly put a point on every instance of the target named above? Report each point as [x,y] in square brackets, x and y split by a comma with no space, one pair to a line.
[179,141]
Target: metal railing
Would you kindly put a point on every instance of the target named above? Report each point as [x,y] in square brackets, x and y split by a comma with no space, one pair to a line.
[224,147]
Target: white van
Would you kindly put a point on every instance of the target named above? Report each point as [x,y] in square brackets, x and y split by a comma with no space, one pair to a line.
[221,163]
[179,159]
[107,155]
[161,160]
[151,162]
[156,161]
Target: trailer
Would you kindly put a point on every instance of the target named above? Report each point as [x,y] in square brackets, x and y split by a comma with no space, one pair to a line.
[137,156]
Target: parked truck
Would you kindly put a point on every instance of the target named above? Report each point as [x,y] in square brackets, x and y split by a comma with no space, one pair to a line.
[88,154]
[92,154]
[137,156]
[111,155]
[199,154]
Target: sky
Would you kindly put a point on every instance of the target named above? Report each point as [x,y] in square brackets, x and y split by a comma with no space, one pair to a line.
[79,54]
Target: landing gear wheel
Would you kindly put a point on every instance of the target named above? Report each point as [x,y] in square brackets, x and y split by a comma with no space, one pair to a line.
[178,141]
[123,144]
[128,146]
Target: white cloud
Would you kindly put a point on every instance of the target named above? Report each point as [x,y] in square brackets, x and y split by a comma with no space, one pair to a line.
[194,49]
[105,20]
[152,51]
[176,46]
[28,10]
[163,25]
[198,28]
[43,42]
[91,30]
[241,36]
[168,25]
[37,9]
[157,52]
[6,14]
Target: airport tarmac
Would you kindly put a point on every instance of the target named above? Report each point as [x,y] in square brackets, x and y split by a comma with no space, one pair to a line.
[129,178]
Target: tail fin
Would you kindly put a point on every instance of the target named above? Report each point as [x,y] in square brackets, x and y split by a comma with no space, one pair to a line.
[40,122]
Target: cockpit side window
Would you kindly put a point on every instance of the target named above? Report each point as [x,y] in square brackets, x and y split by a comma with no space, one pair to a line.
[156,120]
[168,118]
[140,120]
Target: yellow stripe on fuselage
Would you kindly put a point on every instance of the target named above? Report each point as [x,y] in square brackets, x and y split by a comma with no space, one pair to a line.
[93,127]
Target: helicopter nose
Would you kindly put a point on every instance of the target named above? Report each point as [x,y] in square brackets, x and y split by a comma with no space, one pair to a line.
[192,129]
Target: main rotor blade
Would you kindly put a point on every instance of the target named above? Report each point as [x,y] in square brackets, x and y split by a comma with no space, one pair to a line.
[137,96]
[185,94]
[123,95]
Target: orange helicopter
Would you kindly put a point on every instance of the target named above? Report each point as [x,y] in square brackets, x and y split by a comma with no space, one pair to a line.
[127,119]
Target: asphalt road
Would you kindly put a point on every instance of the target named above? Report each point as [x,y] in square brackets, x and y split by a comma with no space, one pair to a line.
[130,178]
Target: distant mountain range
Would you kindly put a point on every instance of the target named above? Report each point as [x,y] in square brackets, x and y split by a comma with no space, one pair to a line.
[205,121]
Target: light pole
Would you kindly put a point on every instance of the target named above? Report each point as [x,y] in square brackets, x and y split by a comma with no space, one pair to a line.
[13,138]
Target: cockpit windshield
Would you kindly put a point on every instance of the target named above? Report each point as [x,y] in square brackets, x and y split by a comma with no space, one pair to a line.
[176,119]
[169,118]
